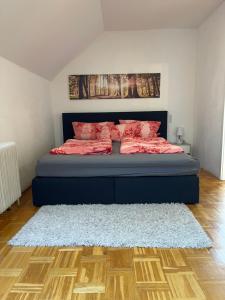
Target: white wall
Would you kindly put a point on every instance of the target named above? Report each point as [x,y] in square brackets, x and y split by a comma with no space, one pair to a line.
[171,52]
[210,94]
[25,116]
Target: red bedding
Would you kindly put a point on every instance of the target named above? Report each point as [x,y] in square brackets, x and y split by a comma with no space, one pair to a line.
[84,147]
[145,145]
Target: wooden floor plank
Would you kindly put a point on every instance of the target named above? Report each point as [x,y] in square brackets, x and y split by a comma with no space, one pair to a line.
[91,277]
[58,288]
[120,286]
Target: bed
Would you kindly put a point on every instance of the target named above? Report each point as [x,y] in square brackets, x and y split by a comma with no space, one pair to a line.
[115,178]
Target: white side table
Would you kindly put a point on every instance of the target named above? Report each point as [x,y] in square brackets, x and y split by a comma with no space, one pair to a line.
[186,147]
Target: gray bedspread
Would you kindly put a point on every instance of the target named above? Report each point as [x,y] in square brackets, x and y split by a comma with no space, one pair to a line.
[117,164]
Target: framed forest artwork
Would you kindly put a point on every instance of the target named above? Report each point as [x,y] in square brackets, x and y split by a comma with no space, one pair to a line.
[114,86]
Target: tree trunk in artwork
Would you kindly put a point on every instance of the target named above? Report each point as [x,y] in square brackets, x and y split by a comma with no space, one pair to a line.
[89,86]
[155,84]
[149,87]
[132,86]
[83,90]
[157,80]
[81,94]
[119,84]
[85,84]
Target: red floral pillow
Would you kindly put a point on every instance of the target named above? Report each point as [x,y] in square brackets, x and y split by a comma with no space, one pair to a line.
[148,129]
[84,131]
[121,131]
[87,131]
[103,131]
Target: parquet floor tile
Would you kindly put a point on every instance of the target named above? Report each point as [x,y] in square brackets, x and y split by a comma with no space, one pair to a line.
[99,273]
[120,285]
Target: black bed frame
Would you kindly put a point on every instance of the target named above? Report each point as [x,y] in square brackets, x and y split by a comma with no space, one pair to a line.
[106,190]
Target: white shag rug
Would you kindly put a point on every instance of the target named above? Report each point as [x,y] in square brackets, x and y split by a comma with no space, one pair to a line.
[134,225]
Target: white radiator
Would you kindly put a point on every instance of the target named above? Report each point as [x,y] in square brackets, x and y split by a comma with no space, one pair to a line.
[10,189]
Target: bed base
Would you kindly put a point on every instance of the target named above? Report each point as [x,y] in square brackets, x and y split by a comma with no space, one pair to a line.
[108,190]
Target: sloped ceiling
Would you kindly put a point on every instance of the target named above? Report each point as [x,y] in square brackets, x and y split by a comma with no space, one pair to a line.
[152,14]
[44,35]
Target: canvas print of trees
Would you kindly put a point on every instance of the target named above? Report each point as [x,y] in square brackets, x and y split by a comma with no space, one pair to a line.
[114,86]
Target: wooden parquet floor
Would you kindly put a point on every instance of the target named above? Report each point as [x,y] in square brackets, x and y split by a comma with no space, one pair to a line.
[97,273]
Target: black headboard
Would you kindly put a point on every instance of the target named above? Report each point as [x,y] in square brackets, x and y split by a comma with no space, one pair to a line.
[68,118]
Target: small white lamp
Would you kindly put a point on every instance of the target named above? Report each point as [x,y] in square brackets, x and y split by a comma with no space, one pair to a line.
[180,135]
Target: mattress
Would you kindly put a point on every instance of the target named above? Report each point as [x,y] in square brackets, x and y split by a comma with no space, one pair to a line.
[117,164]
